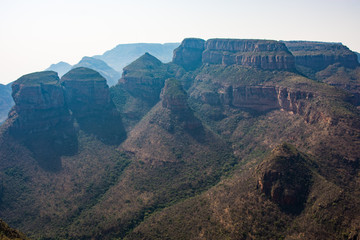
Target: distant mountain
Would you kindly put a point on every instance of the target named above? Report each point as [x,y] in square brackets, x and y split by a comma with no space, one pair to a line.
[124,54]
[6,101]
[100,66]
[358,55]
[61,68]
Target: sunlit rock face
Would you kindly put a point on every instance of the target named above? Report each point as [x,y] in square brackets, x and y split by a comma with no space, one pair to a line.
[265,54]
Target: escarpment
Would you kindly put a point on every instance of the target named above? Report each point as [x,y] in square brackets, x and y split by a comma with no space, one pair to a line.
[261,98]
[264,54]
[319,55]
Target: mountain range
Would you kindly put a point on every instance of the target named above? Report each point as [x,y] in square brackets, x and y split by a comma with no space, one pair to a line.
[117,58]
[232,139]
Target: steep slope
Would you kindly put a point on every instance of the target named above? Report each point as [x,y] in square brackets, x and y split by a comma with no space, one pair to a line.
[124,54]
[174,157]
[7,233]
[61,68]
[140,86]
[6,101]
[101,67]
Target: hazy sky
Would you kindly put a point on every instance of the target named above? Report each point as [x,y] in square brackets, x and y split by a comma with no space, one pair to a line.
[37,33]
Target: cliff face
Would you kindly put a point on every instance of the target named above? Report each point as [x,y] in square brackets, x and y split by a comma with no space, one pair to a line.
[40,118]
[189,53]
[174,98]
[144,78]
[263,54]
[320,55]
[88,97]
[260,98]
[86,92]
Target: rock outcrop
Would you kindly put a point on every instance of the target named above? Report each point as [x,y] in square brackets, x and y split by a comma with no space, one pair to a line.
[319,55]
[174,98]
[264,54]
[40,118]
[189,53]
[285,178]
[87,96]
[144,78]
[258,98]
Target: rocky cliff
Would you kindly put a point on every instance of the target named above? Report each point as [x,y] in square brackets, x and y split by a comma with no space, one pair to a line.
[260,98]
[88,97]
[40,118]
[319,55]
[145,77]
[263,54]
[174,98]
[189,53]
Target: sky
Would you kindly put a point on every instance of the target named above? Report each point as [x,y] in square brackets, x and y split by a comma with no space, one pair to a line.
[37,33]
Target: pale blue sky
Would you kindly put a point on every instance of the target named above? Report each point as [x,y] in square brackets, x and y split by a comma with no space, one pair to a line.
[37,33]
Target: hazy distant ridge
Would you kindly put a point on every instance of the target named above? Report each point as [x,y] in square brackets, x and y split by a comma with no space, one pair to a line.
[124,54]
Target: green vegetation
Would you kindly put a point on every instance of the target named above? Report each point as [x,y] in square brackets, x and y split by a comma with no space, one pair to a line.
[202,172]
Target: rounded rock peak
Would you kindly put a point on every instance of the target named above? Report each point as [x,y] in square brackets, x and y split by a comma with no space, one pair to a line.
[38,78]
[82,74]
